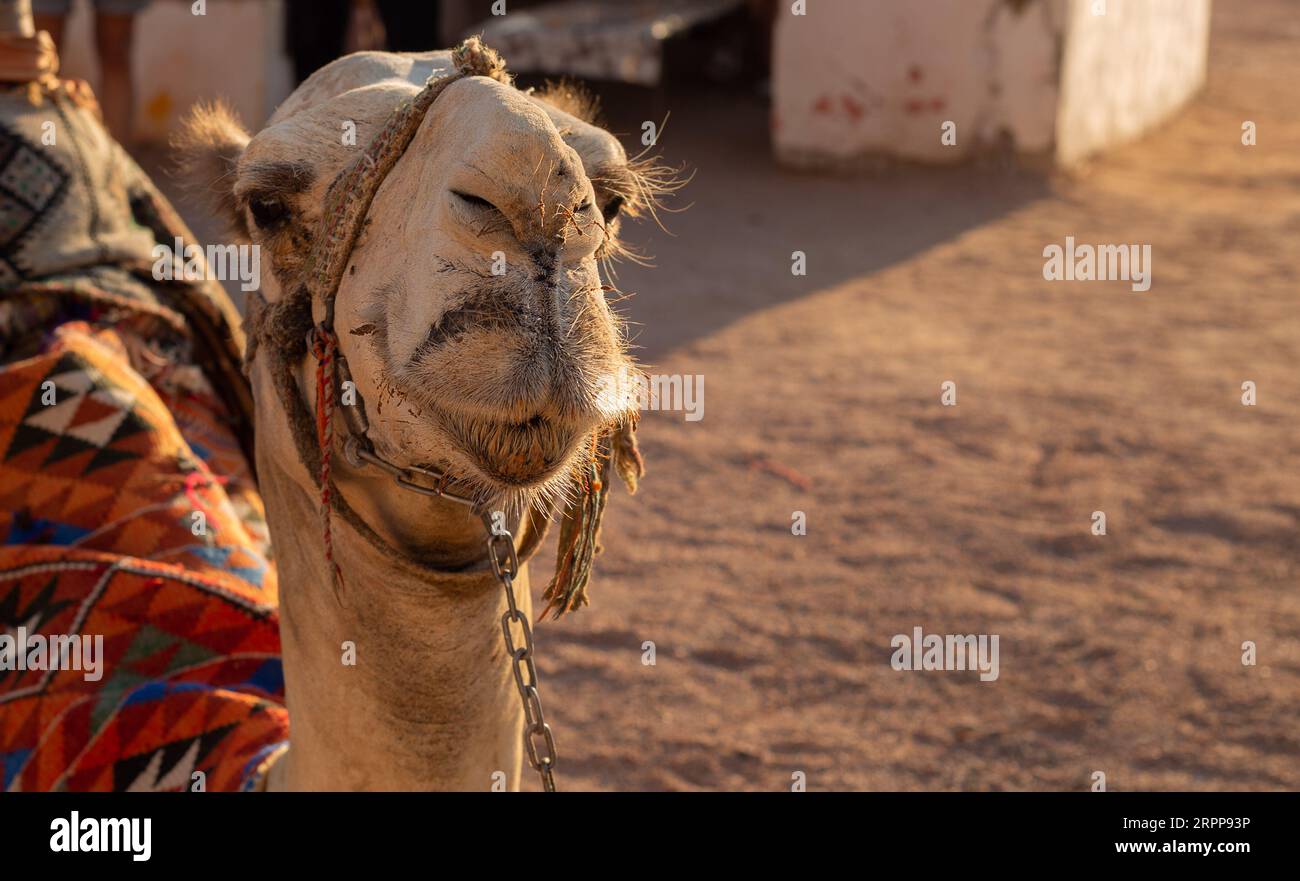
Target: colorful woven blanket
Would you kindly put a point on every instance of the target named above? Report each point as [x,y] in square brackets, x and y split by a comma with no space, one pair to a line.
[139,637]
[132,520]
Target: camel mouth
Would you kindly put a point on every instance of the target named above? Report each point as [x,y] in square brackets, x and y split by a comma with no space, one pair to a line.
[514,454]
[513,431]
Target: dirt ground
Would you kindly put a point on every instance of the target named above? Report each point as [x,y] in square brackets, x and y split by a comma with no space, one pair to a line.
[1120,654]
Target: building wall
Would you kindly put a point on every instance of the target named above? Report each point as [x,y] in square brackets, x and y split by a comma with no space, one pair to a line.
[862,77]
[235,51]
[1128,70]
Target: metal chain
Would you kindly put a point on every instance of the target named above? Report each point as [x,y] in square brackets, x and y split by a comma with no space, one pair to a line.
[537,733]
[539,742]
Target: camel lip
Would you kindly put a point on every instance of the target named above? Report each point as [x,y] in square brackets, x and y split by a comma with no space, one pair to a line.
[521,449]
[514,453]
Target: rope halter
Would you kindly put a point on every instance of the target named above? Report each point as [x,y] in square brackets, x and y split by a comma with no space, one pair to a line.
[347,203]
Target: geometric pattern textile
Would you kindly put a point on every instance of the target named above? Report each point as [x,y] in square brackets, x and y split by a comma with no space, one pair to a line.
[128,515]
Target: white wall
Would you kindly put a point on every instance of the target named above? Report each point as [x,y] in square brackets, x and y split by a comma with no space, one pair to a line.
[1128,70]
[856,78]
[234,51]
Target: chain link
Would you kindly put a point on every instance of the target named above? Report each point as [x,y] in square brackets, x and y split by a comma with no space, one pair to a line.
[538,740]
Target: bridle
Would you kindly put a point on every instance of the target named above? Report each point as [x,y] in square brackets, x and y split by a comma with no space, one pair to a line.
[343,219]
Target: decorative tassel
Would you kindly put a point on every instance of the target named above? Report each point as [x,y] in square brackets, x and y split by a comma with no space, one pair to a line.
[579,535]
[627,455]
[324,348]
[580,526]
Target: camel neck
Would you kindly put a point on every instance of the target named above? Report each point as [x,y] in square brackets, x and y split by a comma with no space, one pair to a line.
[399,682]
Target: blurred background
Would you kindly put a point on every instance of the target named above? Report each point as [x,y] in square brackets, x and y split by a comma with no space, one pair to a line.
[824,133]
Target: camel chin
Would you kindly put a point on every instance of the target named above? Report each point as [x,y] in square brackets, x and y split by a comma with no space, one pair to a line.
[500,459]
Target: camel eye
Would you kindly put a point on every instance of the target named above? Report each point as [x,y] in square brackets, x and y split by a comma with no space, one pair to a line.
[475,201]
[267,212]
[611,209]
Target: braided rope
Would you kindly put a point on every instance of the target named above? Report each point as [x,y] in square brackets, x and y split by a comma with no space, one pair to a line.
[349,197]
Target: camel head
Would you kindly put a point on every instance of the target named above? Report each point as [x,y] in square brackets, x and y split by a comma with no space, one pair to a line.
[471,313]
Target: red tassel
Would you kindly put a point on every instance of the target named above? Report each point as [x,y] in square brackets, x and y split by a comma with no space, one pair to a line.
[324,344]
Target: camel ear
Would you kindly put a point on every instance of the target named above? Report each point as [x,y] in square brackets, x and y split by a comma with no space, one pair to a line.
[208,146]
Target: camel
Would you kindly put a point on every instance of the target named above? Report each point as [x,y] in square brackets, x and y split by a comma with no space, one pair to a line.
[494,379]
[430,357]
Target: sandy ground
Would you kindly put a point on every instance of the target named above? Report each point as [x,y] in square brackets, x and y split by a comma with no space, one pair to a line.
[1119,654]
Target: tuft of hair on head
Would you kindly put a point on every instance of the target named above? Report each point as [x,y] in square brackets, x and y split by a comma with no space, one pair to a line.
[572,98]
[207,148]
[473,57]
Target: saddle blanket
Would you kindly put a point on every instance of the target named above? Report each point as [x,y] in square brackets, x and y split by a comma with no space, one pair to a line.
[129,518]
